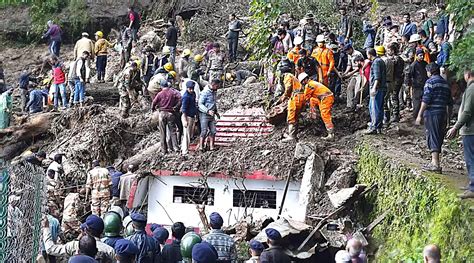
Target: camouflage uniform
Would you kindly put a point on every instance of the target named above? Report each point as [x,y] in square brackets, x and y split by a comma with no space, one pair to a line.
[126,83]
[99,181]
[216,65]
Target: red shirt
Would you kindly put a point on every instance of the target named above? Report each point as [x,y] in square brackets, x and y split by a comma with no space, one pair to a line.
[58,75]
[166,100]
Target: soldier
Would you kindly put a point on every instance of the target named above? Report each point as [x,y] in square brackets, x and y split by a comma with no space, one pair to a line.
[113,226]
[216,62]
[54,194]
[99,182]
[149,249]
[126,82]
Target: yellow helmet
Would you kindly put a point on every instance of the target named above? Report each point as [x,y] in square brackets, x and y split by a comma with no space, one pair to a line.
[99,34]
[380,50]
[139,63]
[186,52]
[166,50]
[46,81]
[172,74]
[228,77]
[168,67]
[198,58]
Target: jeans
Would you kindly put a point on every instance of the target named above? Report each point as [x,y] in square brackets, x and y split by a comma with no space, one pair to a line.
[24,98]
[101,64]
[376,110]
[335,84]
[54,48]
[172,54]
[135,34]
[187,134]
[60,90]
[233,44]
[468,143]
[208,124]
[79,91]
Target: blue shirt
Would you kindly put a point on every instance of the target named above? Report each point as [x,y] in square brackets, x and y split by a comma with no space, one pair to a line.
[443,56]
[149,248]
[442,25]
[36,100]
[378,72]
[207,100]
[111,240]
[369,31]
[188,104]
[115,175]
[408,29]
[436,95]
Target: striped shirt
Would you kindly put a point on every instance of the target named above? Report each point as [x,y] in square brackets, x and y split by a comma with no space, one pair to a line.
[437,95]
[224,244]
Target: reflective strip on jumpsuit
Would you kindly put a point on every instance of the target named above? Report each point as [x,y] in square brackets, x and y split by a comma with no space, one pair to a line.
[297,100]
[322,97]
[325,58]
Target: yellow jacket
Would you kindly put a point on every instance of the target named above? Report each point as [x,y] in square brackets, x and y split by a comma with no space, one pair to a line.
[102,46]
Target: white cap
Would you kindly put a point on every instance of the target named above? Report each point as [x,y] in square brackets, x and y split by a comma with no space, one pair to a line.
[302,76]
[85,34]
[422,11]
[298,41]
[320,38]
[342,256]
[414,38]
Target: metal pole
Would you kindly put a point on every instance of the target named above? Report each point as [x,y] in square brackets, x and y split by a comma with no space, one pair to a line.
[4,186]
[288,178]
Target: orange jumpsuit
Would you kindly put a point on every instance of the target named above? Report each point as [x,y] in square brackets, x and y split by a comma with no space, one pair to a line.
[294,54]
[426,56]
[322,97]
[293,90]
[325,58]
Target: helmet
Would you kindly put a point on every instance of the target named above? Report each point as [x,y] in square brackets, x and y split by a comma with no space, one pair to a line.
[186,52]
[46,81]
[302,76]
[168,67]
[127,226]
[298,41]
[172,74]
[414,38]
[166,50]
[320,39]
[198,58]
[228,77]
[380,50]
[187,243]
[118,210]
[138,62]
[112,224]
[99,34]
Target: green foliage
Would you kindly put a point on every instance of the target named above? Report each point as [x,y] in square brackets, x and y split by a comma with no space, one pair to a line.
[462,56]
[79,17]
[421,210]
[9,3]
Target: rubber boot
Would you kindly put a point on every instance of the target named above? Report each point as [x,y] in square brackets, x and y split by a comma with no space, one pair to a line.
[211,143]
[330,136]
[291,133]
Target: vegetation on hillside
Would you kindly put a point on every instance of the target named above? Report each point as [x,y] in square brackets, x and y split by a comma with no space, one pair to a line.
[462,56]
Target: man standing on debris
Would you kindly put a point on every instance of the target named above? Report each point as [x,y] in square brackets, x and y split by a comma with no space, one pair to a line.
[126,41]
[398,77]
[325,58]
[223,243]
[417,79]
[275,253]
[256,249]
[207,113]
[115,178]
[135,22]
[194,70]
[408,28]
[189,110]
[183,64]
[465,126]
[235,26]
[294,92]
[54,33]
[101,51]
[98,184]
[35,104]
[92,226]
[389,69]
[172,39]
[148,64]
[167,101]
[149,249]
[171,253]
[126,82]
[435,108]
[345,27]
[82,45]
[426,23]
[82,77]
[369,33]
[59,84]
[443,56]
[377,89]
[294,54]
[216,63]
[319,96]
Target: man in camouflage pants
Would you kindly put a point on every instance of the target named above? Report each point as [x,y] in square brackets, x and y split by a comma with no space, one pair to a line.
[98,181]
[216,63]
[128,79]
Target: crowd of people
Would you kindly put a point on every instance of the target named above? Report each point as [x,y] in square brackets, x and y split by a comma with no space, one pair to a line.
[398,66]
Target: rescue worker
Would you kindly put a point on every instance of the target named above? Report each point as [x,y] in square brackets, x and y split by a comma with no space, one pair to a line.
[92,226]
[426,23]
[128,79]
[149,249]
[183,64]
[216,63]
[275,253]
[415,38]
[390,68]
[113,226]
[36,158]
[294,54]
[172,252]
[149,62]
[398,77]
[194,69]
[208,112]
[241,76]
[126,251]
[101,51]
[295,93]
[307,64]
[223,243]
[235,27]
[325,58]
[161,74]
[126,40]
[320,96]
[98,184]
[311,30]
[172,40]
[84,44]
[205,253]
[35,102]
[57,166]
[345,26]
[165,58]
[256,249]
[430,45]
[377,89]
[189,113]
[115,178]
[188,241]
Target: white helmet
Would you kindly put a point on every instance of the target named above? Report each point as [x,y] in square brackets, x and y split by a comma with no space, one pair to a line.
[414,38]
[320,39]
[298,41]
[166,50]
[302,76]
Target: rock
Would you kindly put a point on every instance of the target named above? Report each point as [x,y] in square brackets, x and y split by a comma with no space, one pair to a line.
[151,38]
[343,177]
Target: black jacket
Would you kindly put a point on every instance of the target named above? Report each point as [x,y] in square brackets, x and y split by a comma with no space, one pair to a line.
[274,254]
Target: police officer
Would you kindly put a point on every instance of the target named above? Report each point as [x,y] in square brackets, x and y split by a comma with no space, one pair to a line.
[125,251]
[275,253]
[147,245]
[161,234]
[204,253]
[113,226]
